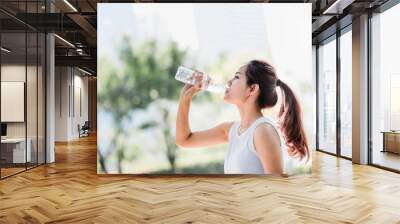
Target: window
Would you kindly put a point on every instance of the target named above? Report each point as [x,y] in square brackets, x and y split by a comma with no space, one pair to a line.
[327,96]
[385,89]
[346,94]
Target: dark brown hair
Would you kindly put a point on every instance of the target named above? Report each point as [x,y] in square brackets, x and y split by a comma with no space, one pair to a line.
[290,114]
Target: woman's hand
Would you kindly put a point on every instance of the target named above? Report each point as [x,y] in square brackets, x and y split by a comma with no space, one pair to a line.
[189,90]
[184,136]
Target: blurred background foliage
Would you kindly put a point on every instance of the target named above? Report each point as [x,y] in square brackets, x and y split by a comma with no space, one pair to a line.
[147,73]
[144,74]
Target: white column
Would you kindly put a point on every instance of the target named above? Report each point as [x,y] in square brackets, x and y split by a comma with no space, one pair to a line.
[50,110]
[360,90]
[50,93]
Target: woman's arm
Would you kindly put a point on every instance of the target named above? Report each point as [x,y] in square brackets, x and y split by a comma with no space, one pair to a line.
[267,144]
[184,136]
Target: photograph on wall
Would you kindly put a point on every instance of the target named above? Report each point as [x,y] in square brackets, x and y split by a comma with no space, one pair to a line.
[205,89]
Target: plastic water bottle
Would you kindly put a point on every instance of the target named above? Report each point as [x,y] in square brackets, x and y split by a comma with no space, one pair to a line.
[185,75]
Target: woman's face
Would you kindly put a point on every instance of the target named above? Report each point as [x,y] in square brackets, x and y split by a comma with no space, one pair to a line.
[237,91]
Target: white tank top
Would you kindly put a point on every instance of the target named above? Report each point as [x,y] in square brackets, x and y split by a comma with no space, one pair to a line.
[242,157]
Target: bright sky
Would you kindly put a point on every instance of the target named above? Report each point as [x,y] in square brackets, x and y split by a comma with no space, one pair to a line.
[278,33]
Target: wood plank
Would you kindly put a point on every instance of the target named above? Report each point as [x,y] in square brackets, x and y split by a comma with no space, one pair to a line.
[70,191]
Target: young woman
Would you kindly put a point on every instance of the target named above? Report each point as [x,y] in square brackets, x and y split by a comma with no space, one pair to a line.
[256,144]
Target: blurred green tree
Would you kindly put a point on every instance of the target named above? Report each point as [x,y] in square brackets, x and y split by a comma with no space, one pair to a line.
[146,73]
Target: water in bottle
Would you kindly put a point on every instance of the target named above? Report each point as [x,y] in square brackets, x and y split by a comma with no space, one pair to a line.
[186,75]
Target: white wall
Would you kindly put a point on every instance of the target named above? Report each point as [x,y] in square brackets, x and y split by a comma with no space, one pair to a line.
[33,126]
[12,73]
[61,103]
[70,83]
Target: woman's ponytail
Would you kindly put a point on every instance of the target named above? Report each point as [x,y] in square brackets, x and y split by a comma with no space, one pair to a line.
[291,123]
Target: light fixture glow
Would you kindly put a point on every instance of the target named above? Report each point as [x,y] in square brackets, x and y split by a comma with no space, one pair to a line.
[5,49]
[337,7]
[86,72]
[70,5]
[65,41]
[331,7]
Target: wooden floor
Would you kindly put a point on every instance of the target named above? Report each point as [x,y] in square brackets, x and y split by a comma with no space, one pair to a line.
[10,171]
[387,159]
[70,191]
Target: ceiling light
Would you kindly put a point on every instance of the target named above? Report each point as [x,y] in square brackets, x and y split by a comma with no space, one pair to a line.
[70,5]
[5,50]
[337,7]
[84,71]
[65,41]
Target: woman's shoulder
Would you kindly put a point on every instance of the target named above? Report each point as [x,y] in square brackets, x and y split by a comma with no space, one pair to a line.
[267,129]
